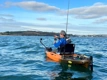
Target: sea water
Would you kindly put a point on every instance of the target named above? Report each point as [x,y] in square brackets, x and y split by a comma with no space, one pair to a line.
[23,58]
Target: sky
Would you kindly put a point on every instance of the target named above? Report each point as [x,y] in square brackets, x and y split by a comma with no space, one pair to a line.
[86,17]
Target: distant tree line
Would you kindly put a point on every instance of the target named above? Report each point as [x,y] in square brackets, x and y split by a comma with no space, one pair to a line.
[40,33]
[29,33]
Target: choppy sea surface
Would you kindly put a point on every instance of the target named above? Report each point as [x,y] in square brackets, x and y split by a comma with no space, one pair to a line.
[23,58]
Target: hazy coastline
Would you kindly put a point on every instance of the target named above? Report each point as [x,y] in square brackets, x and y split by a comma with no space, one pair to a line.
[40,33]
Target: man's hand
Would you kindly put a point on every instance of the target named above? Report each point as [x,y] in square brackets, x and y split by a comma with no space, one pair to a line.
[55,36]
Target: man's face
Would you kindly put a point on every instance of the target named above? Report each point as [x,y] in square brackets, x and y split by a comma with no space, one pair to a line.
[61,36]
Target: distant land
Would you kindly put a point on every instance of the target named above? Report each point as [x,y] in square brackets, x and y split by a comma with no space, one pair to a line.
[41,33]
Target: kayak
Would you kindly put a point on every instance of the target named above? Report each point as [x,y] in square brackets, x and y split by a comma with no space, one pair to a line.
[68,56]
[77,59]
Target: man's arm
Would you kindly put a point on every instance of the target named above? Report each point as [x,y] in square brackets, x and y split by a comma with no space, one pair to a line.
[57,44]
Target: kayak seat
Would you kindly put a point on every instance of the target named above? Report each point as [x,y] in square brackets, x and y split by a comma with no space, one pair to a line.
[67,49]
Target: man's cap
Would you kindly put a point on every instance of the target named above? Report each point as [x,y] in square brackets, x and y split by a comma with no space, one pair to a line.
[63,32]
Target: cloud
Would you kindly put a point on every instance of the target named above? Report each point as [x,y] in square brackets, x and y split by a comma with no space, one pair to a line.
[41,19]
[3,19]
[33,6]
[6,15]
[6,18]
[88,12]
[97,10]
[86,16]
[74,29]
[9,25]
[100,21]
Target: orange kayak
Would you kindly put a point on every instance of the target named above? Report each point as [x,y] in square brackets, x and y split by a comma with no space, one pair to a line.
[70,59]
[53,56]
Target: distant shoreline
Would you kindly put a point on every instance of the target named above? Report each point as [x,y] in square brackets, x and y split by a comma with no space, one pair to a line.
[40,33]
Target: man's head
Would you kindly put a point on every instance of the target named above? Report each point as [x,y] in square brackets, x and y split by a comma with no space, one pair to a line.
[62,34]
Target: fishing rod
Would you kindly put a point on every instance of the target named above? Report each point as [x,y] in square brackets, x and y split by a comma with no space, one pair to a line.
[67,15]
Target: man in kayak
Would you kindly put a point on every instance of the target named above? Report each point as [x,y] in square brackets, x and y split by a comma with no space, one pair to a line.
[61,41]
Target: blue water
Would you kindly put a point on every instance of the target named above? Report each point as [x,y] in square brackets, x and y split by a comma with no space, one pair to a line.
[23,58]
